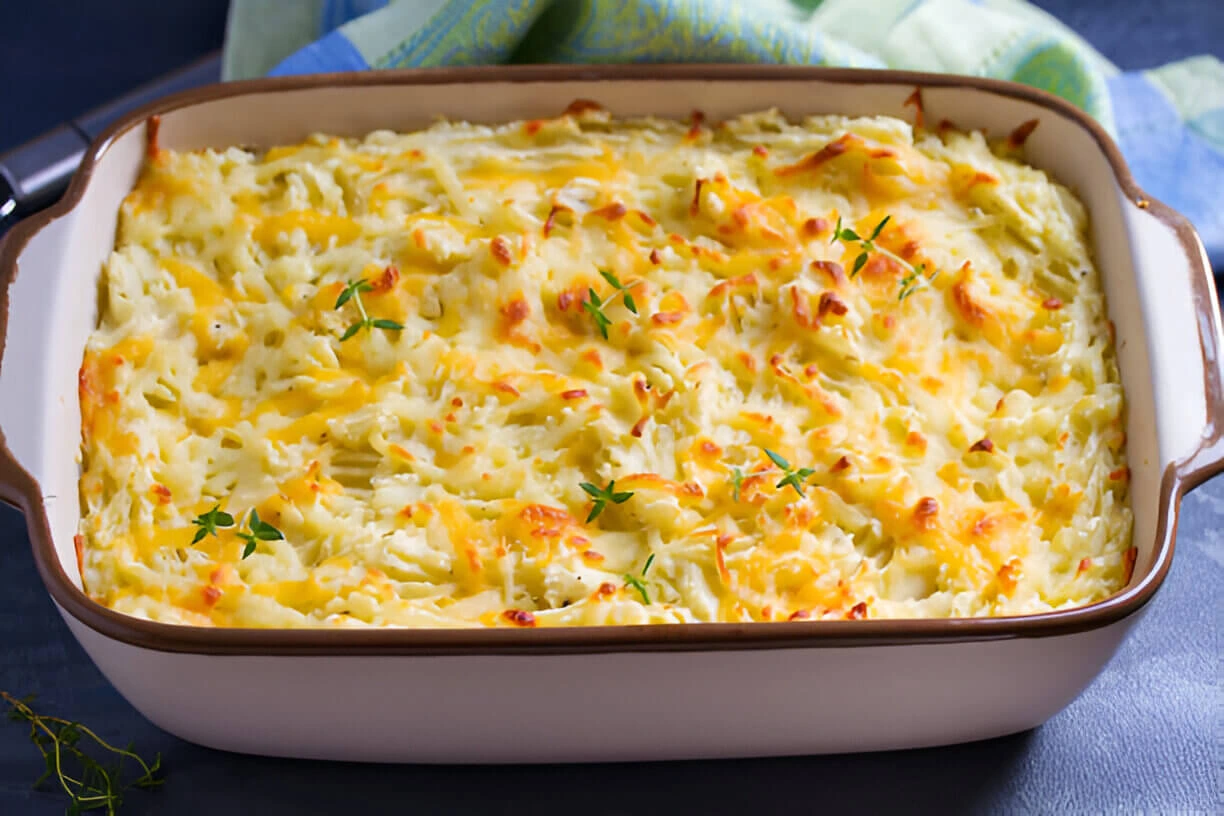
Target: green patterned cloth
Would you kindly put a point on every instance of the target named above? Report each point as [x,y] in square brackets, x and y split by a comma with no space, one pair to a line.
[1169,122]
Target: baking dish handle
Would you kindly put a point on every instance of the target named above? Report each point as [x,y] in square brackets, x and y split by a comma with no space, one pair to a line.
[29,256]
[1183,311]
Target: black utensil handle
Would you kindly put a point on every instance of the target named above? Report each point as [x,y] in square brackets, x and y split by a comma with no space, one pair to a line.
[35,174]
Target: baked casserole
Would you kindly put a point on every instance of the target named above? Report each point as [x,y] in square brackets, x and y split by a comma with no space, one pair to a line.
[585,371]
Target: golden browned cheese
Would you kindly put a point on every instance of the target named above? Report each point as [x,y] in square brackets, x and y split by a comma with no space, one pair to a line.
[935,430]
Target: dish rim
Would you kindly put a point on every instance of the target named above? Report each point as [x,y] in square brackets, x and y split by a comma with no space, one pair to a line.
[19,488]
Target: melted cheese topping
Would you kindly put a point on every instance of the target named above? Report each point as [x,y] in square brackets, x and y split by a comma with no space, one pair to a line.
[965,443]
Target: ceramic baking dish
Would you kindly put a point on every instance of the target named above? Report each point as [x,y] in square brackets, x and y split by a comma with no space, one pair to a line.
[612,693]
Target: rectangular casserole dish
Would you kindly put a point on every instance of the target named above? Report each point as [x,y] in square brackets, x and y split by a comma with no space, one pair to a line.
[609,693]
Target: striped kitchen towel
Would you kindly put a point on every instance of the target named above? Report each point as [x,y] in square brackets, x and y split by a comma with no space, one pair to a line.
[1169,121]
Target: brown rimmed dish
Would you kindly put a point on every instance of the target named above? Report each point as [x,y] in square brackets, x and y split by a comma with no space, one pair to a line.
[720,689]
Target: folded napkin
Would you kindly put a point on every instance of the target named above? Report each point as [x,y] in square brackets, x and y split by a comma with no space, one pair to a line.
[1169,121]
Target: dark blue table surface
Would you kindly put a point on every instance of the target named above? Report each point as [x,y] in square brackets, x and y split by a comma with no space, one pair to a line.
[1145,737]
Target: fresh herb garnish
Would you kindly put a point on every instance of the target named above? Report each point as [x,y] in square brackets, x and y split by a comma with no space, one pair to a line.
[791,476]
[910,283]
[260,530]
[209,522]
[95,785]
[637,583]
[352,291]
[737,481]
[603,495]
[594,307]
[623,288]
[849,236]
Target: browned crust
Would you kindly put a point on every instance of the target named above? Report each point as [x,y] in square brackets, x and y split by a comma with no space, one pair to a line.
[20,489]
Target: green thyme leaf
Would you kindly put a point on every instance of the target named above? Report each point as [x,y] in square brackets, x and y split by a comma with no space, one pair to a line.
[260,530]
[790,477]
[649,561]
[352,292]
[594,307]
[859,263]
[636,583]
[623,288]
[914,281]
[737,480]
[209,522]
[268,533]
[603,495]
[353,287]
[792,480]
[610,278]
[777,459]
[875,233]
[259,526]
[389,325]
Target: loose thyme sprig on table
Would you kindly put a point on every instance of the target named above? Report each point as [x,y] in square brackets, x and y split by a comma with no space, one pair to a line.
[637,583]
[352,291]
[603,495]
[95,785]
[258,529]
[909,284]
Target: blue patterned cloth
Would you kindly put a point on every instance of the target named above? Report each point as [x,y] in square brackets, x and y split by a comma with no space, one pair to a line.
[1169,121]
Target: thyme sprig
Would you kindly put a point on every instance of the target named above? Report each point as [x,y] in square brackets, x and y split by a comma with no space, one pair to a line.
[791,476]
[594,307]
[637,583]
[602,496]
[913,282]
[352,291]
[623,288]
[209,522]
[260,530]
[257,529]
[910,283]
[90,784]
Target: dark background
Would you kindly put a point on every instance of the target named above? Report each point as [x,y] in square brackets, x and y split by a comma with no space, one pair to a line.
[1145,737]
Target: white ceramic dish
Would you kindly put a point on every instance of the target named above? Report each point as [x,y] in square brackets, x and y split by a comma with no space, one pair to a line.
[615,693]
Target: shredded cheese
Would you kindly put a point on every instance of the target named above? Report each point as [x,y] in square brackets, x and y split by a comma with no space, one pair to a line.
[965,441]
